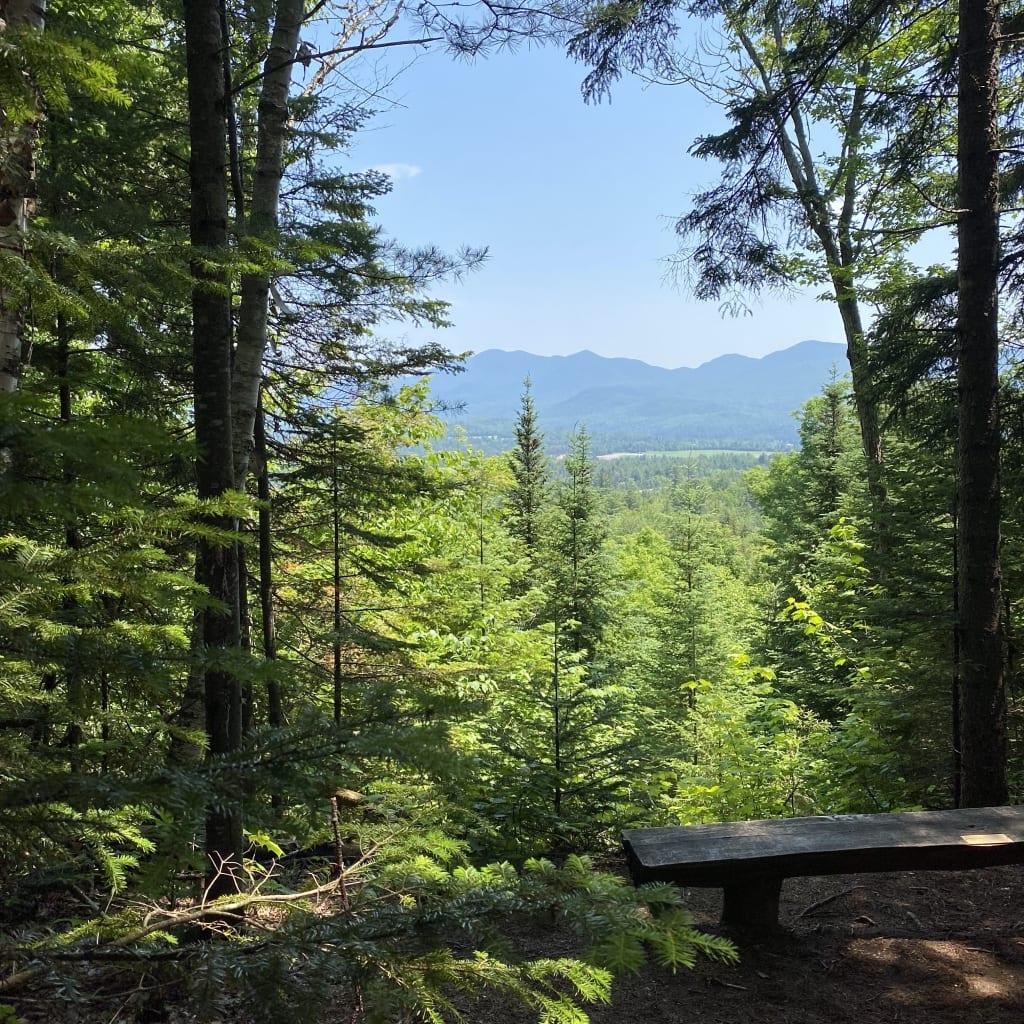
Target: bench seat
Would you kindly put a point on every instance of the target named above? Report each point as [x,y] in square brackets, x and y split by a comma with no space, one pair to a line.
[749,859]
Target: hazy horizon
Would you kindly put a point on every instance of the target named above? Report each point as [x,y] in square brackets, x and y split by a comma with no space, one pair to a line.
[648,362]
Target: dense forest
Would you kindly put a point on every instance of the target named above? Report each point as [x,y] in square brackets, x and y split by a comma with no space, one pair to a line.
[297,706]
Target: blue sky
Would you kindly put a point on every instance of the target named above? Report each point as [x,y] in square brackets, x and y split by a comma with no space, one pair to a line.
[575,202]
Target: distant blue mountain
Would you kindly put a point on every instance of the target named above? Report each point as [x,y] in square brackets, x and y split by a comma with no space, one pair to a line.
[627,405]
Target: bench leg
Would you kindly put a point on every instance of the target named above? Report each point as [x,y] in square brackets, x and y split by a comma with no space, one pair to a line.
[752,906]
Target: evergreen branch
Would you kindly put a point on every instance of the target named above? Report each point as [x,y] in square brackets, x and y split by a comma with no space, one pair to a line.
[161,921]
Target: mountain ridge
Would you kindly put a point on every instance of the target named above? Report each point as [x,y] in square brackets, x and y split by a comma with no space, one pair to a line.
[731,401]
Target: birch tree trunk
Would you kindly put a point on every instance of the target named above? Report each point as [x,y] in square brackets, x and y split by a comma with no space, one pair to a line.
[363,22]
[261,230]
[17,188]
[982,688]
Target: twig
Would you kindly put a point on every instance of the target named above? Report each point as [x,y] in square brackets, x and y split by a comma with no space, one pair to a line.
[357,48]
[729,984]
[826,901]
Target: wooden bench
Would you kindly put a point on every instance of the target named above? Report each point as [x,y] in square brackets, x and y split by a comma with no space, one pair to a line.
[749,859]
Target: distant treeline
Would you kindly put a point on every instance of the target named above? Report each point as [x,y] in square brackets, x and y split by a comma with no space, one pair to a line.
[658,471]
[501,440]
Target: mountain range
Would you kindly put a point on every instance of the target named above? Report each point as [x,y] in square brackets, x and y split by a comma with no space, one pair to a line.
[732,402]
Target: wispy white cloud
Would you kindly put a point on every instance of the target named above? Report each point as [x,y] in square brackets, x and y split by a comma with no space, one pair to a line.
[398,171]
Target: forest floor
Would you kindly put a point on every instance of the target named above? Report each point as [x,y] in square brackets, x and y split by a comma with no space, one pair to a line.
[922,947]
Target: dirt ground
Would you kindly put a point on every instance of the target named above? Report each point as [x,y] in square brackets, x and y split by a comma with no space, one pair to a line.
[911,947]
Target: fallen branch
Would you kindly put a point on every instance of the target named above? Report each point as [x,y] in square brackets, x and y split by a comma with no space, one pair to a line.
[159,920]
[826,901]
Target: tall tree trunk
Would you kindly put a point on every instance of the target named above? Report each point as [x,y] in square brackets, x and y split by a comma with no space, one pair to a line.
[275,710]
[246,720]
[336,517]
[982,690]
[17,189]
[190,718]
[864,401]
[216,561]
[557,723]
[261,229]
[72,538]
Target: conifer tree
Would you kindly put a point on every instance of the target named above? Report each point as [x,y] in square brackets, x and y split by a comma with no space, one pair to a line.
[700,622]
[577,565]
[982,686]
[217,566]
[528,497]
[99,452]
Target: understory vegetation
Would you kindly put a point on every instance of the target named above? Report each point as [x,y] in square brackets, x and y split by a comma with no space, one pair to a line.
[523,664]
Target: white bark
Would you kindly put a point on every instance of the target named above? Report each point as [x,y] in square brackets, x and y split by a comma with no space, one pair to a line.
[367,24]
[272,123]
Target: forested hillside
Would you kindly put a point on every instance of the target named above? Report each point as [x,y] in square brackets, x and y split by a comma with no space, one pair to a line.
[732,402]
[299,707]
